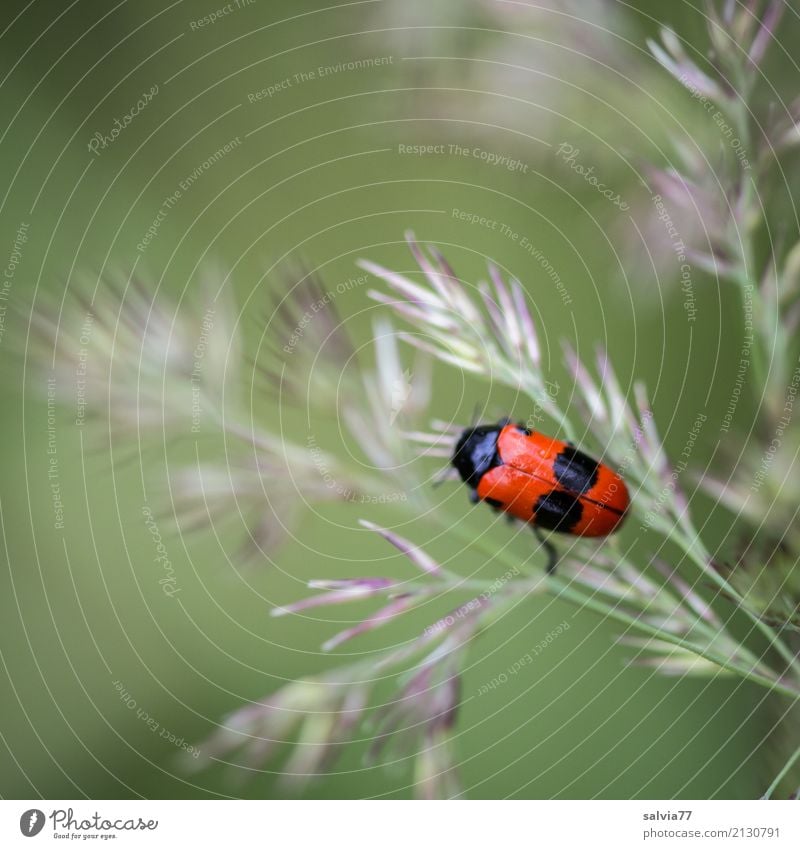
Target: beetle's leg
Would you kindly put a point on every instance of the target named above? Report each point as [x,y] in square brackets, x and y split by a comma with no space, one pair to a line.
[550,549]
[474,498]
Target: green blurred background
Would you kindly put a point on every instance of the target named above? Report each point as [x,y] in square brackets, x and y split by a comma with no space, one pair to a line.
[319,176]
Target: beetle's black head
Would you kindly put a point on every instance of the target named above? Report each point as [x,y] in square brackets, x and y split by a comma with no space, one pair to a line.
[476,453]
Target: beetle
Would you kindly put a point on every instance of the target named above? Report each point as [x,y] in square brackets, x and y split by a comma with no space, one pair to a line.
[544,482]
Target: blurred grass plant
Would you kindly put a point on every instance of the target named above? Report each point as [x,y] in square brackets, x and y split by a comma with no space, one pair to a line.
[737,245]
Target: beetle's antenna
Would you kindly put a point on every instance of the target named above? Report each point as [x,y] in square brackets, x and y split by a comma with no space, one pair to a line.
[475,413]
[450,428]
[439,442]
[433,444]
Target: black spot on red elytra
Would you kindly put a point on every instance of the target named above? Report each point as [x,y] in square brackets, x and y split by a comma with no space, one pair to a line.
[574,470]
[557,510]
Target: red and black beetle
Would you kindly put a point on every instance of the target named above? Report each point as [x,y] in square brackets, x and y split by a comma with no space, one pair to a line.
[544,482]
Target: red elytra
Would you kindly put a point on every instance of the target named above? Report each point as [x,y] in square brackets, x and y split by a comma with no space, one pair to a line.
[545,482]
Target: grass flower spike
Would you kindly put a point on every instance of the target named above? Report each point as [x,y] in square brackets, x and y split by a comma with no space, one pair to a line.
[488,331]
